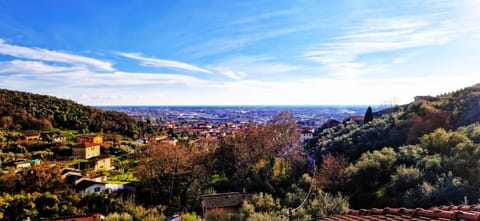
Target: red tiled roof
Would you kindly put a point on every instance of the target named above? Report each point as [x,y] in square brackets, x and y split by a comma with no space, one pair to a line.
[87,144]
[31,134]
[461,213]
[222,200]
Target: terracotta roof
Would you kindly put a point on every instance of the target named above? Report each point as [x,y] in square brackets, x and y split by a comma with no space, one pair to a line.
[87,144]
[31,134]
[223,200]
[88,136]
[461,213]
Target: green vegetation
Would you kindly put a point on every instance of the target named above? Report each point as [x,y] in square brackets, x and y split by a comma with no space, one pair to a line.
[26,111]
[418,155]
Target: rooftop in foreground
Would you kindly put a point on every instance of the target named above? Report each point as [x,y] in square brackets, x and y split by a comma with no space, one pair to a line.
[461,213]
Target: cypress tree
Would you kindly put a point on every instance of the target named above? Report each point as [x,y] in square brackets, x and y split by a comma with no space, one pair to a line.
[368,115]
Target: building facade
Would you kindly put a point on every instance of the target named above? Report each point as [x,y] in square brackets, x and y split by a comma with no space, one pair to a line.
[86,151]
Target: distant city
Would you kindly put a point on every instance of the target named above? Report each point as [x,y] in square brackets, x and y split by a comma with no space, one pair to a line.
[312,116]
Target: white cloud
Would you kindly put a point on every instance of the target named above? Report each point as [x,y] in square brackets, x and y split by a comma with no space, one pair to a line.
[229,73]
[231,43]
[399,60]
[322,91]
[102,88]
[78,76]
[33,67]
[342,56]
[162,63]
[126,78]
[254,66]
[448,22]
[52,56]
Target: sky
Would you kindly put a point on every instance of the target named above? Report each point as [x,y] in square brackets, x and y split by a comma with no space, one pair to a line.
[222,52]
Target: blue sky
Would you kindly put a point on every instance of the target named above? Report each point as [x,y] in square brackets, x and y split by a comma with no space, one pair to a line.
[239,52]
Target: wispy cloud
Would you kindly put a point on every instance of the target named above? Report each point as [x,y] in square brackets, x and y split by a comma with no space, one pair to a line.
[162,63]
[52,56]
[33,67]
[236,75]
[346,55]
[263,16]
[232,43]
[40,73]
[255,66]
[141,78]
[342,55]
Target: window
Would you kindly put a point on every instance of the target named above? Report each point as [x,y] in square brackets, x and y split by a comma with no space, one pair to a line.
[97,189]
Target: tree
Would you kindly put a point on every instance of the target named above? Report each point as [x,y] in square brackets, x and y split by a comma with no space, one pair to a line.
[6,122]
[368,176]
[368,115]
[332,172]
[252,158]
[167,174]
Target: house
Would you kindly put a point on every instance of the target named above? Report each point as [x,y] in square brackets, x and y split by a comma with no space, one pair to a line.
[353,120]
[66,170]
[95,164]
[141,141]
[59,139]
[465,213]
[70,176]
[86,150]
[36,162]
[101,163]
[231,202]
[92,217]
[204,126]
[87,186]
[305,135]
[156,138]
[330,123]
[426,98]
[31,136]
[172,142]
[21,165]
[96,139]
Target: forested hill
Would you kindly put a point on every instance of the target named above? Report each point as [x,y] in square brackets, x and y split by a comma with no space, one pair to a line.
[463,105]
[417,155]
[27,111]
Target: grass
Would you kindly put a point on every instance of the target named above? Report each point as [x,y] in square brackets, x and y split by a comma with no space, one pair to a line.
[69,134]
[125,177]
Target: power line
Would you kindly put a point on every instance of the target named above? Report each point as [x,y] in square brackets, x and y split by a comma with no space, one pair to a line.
[309,192]
[290,211]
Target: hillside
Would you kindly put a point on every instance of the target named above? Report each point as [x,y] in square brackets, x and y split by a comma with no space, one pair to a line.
[464,105]
[27,111]
[417,155]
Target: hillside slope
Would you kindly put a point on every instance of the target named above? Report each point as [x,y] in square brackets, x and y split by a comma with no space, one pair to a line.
[401,125]
[421,154]
[464,105]
[27,111]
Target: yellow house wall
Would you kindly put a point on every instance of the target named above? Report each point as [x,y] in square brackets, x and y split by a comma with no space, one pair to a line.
[86,152]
